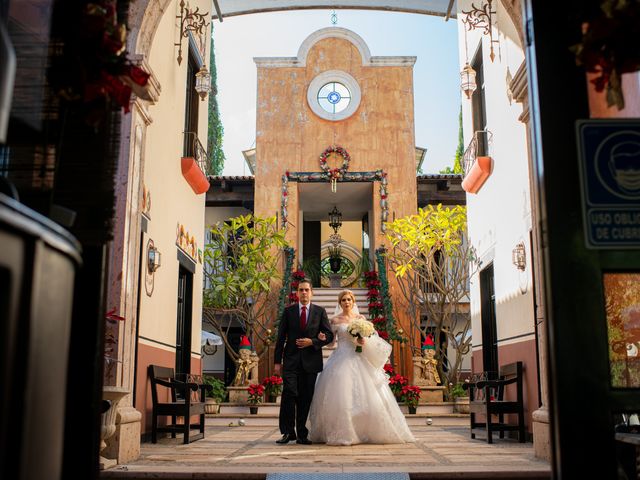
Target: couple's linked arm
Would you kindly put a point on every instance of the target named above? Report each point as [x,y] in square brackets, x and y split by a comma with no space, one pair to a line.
[317,343]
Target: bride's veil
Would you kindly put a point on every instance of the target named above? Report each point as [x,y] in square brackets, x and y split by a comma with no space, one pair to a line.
[338,310]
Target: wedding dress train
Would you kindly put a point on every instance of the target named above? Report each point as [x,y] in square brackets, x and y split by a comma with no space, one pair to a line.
[352,402]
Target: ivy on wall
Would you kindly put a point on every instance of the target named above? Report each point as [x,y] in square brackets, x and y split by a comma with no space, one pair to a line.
[216,131]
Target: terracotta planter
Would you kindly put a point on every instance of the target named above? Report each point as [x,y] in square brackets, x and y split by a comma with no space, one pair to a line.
[195,177]
[253,410]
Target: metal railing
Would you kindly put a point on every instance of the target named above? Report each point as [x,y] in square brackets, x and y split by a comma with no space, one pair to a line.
[193,148]
[478,147]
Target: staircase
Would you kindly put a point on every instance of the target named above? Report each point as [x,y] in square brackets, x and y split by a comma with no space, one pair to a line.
[328,298]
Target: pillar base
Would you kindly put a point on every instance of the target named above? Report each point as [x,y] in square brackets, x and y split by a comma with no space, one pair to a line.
[541,434]
[124,445]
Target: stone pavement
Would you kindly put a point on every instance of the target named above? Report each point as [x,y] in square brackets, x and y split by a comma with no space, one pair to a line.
[250,452]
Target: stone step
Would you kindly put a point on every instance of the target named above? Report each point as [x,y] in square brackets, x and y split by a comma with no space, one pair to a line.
[271,419]
[328,298]
[430,408]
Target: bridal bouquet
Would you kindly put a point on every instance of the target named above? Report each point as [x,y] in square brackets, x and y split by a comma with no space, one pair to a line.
[360,328]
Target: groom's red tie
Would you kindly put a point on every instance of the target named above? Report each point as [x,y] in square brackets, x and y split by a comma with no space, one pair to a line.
[303,318]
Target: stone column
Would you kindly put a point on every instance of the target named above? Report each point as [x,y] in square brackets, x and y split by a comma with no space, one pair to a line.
[540,417]
[132,202]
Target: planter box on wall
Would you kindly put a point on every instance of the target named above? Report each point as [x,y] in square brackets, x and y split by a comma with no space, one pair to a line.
[193,175]
[478,174]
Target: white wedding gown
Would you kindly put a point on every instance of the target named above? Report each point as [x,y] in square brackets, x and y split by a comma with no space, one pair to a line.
[352,402]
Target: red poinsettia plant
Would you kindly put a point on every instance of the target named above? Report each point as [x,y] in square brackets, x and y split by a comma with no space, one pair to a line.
[256,393]
[273,385]
[609,45]
[396,383]
[410,395]
[388,369]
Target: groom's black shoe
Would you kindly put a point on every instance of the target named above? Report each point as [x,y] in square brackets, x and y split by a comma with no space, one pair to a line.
[304,441]
[287,437]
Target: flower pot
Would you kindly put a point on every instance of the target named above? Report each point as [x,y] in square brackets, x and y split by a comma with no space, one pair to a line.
[335,263]
[211,405]
[461,404]
[253,410]
[412,410]
[273,398]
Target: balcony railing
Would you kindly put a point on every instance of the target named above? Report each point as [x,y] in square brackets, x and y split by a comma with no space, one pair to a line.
[193,148]
[478,147]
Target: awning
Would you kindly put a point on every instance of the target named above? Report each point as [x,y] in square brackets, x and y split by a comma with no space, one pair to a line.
[209,338]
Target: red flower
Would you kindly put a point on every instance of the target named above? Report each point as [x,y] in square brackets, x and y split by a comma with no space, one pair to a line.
[285,194]
[388,369]
[138,75]
[383,334]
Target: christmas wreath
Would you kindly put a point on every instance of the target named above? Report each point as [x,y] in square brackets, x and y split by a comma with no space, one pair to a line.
[334,173]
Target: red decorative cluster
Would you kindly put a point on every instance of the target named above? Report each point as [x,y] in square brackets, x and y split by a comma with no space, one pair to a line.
[256,392]
[410,394]
[376,307]
[272,381]
[388,369]
[100,71]
[396,382]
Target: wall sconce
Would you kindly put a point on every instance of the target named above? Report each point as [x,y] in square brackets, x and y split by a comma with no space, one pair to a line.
[519,257]
[190,21]
[203,82]
[153,257]
[468,80]
[481,18]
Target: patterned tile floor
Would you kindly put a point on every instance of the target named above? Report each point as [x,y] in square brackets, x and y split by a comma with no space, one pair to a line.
[251,452]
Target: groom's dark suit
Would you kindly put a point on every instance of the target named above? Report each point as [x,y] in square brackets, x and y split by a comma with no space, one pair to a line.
[300,365]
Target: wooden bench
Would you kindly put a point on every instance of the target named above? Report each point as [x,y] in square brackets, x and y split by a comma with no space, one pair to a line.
[187,400]
[486,397]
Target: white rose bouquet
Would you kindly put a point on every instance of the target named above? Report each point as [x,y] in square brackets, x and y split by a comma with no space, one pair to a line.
[360,328]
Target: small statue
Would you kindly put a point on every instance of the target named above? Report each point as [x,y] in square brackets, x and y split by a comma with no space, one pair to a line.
[425,367]
[247,364]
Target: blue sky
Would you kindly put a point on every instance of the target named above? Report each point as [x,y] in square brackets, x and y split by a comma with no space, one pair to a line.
[436,73]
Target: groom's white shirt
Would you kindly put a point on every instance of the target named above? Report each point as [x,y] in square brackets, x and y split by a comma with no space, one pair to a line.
[300,305]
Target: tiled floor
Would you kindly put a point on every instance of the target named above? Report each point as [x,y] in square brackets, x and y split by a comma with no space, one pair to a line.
[251,452]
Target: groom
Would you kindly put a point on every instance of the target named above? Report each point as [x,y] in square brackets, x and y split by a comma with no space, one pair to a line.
[299,347]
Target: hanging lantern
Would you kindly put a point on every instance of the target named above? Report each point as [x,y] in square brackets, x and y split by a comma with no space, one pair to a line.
[203,82]
[468,80]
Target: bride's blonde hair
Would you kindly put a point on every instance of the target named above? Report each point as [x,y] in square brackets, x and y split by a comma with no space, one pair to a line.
[345,293]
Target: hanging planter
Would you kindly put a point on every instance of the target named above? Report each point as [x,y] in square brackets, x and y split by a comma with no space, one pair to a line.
[194,176]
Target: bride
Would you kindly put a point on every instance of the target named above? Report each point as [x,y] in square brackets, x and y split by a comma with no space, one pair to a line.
[352,402]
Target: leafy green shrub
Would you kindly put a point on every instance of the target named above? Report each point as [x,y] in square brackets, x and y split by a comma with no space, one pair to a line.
[219,391]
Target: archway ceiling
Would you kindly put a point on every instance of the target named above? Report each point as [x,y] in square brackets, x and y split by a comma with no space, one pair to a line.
[353,199]
[231,8]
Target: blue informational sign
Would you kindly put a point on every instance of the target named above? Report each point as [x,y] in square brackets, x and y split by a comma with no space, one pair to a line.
[609,160]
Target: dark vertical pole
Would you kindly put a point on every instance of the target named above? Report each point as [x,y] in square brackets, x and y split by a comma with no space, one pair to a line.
[582,433]
[84,382]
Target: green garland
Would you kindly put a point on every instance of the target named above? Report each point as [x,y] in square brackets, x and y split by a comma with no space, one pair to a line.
[289,255]
[216,131]
[386,298]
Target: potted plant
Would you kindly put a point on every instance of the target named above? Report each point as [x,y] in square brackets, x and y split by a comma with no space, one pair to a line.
[256,393]
[460,398]
[396,382]
[410,395]
[214,395]
[335,258]
[273,388]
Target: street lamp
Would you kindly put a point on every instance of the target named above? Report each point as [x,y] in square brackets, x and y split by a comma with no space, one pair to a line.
[335,219]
